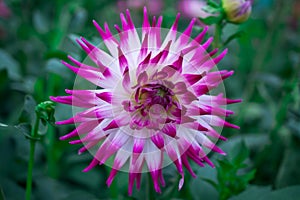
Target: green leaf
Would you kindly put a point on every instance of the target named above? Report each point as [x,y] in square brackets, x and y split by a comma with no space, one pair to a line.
[211,182]
[200,187]
[253,141]
[290,193]
[4,81]
[28,112]
[212,20]
[41,22]
[253,192]
[234,36]
[1,194]
[25,129]
[9,63]
[11,189]
[248,176]
[289,173]
[239,153]
[265,193]
[56,54]
[213,4]
[211,9]
[56,67]
[3,125]
[232,177]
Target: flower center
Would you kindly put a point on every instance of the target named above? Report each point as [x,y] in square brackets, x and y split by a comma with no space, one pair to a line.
[151,105]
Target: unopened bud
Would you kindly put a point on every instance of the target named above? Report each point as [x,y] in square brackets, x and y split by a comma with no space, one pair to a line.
[45,111]
[237,11]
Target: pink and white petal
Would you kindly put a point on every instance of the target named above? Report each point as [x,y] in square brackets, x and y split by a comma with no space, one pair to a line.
[108,39]
[217,121]
[154,159]
[120,160]
[171,36]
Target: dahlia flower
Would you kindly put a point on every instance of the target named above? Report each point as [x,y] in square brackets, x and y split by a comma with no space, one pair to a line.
[4,10]
[155,6]
[237,11]
[151,105]
[193,8]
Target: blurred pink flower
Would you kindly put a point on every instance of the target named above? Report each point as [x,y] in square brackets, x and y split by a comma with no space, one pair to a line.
[154,6]
[151,104]
[193,8]
[4,10]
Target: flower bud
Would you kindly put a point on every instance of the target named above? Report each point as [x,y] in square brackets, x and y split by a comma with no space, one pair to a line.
[237,11]
[45,111]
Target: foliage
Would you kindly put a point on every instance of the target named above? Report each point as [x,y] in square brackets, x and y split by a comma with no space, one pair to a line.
[231,175]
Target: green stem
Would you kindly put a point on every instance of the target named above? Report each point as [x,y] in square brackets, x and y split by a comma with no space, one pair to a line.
[260,59]
[50,136]
[61,19]
[51,158]
[34,133]
[217,36]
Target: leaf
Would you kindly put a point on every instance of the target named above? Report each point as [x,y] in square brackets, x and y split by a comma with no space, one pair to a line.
[3,125]
[56,67]
[28,112]
[253,192]
[211,182]
[10,64]
[4,81]
[290,193]
[248,176]
[212,19]
[234,36]
[270,80]
[24,128]
[79,195]
[40,22]
[289,173]
[225,166]
[213,4]
[231,174]
[265,193]
[56,54]
[253,141]
[211,9]
[239,153]
[11,189]
[2,194]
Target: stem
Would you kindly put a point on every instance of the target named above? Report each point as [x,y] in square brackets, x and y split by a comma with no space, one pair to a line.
[62,18]
[50,136]
[31,158]
[51,158]
[217,36]
[260,59]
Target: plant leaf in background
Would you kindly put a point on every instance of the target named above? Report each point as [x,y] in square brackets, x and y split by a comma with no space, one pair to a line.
[232,174]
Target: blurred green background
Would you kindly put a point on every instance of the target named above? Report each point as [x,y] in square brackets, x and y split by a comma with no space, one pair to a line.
[263,156]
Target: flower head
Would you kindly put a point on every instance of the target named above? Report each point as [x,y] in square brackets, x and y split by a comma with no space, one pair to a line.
[4,10]
[151,103]
[237,11]
[154,6]
[193,8]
